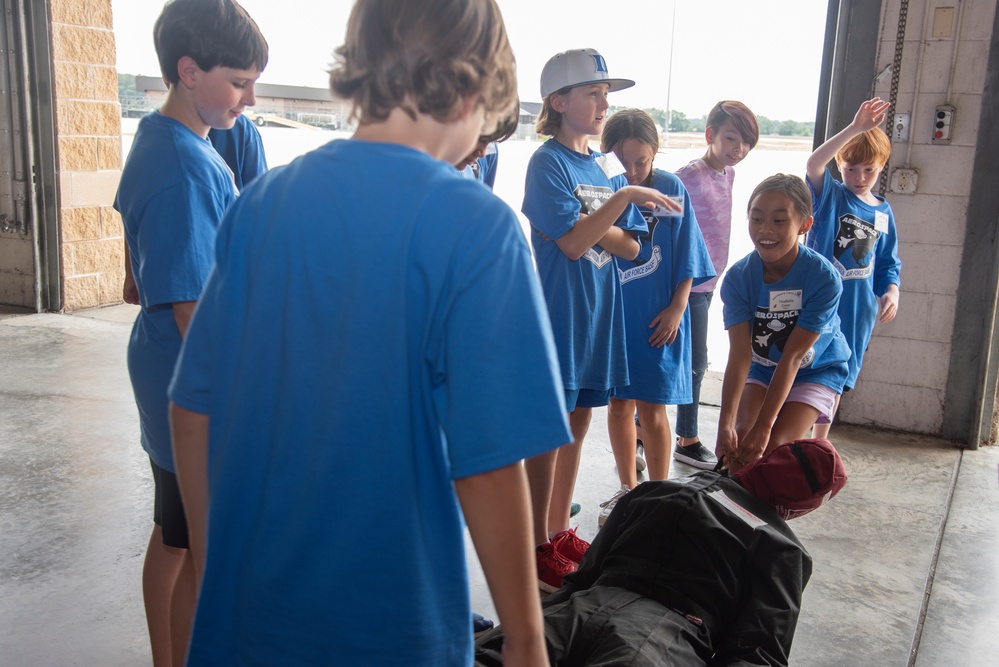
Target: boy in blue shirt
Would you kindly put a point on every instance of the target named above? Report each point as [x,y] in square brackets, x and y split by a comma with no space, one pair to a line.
[174,189]
[367,293]
[855,230]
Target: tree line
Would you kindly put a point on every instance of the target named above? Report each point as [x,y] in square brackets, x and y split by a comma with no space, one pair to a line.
[679,122]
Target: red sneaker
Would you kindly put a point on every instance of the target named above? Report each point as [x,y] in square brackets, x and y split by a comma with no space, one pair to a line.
[552,566]
[570,546]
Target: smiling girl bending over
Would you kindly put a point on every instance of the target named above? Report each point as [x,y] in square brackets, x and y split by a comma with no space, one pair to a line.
[787,357]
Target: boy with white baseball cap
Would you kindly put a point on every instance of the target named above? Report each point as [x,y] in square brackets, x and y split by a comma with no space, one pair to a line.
[582,213]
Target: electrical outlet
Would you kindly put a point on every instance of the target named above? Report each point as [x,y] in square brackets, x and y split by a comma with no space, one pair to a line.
[904,180]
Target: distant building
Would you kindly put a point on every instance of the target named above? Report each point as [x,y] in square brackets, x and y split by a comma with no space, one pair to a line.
[312,106]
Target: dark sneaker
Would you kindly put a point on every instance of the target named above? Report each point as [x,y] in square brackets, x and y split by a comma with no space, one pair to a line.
[574,509]
[639,456]
[480,624]
[696,455]
[552,567]
[570,546]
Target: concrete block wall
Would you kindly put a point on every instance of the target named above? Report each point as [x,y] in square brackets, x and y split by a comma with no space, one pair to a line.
[904,379]
[89,151]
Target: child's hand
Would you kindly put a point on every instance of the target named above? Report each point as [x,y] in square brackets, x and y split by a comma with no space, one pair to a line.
[752,446]
[871,114]
[129,292]
[889,304]
[666,325]
[726,446]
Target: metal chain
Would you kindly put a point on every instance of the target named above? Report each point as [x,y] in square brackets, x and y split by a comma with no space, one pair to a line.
[903,14]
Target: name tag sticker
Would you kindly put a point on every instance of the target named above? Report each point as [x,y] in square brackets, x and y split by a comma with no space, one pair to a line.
[610,165]
[881,222]
[784,300]
[664,212]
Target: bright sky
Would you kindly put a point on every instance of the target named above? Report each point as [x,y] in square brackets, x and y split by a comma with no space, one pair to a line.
[765,53]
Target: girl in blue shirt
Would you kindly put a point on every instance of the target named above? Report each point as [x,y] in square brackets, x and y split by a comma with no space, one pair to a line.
[656,284]
[787,356]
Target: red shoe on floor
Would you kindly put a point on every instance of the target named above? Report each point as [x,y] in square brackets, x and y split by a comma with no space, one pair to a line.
[570,546]
[552,567]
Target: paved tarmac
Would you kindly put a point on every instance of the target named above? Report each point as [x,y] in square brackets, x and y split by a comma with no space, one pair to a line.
[906,558]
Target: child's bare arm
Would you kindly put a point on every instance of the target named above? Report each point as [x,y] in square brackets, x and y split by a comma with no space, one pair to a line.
[129,291]
[590,229]
[189,432]
[740,358]
[667,322]
[755,442]
[497,510]
[870,115]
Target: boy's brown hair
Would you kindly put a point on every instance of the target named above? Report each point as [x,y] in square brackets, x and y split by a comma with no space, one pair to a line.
[425,57]
[550,121]
[740,115]
[214,33]
[871,147]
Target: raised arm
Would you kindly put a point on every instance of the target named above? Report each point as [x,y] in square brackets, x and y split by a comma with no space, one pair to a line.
[870,115]
[497,510]
[591,229]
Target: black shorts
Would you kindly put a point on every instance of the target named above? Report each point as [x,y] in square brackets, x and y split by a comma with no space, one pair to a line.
[168,510]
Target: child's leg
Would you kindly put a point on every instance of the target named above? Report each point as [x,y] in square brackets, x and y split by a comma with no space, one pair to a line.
[793,422]
[658,439]
[540,477]
[566,465]
[822,430]
[159,577]
[185,595]
[621,429]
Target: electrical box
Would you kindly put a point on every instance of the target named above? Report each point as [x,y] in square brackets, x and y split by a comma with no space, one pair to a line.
[900,128]
[943,23]
[943,124]
[903,180]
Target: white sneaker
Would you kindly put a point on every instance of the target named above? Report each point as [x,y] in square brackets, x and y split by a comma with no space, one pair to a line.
[607,506]
[639,458]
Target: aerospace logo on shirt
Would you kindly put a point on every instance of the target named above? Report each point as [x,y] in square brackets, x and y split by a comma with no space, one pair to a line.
[591,198]
[853,251]
[649,256]
[770,333]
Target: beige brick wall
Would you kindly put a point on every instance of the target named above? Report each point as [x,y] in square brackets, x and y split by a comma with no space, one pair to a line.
[89,146]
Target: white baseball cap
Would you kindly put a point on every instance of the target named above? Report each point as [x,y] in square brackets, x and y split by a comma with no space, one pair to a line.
[578,67]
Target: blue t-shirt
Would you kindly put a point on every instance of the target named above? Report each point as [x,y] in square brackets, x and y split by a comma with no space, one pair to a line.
[242,149]
[373,330]
[861,242]
[673,252]
[583,296]
[173,191]
[483,169]
[807,297]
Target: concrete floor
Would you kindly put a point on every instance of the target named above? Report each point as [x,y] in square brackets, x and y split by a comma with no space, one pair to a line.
[906,558]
